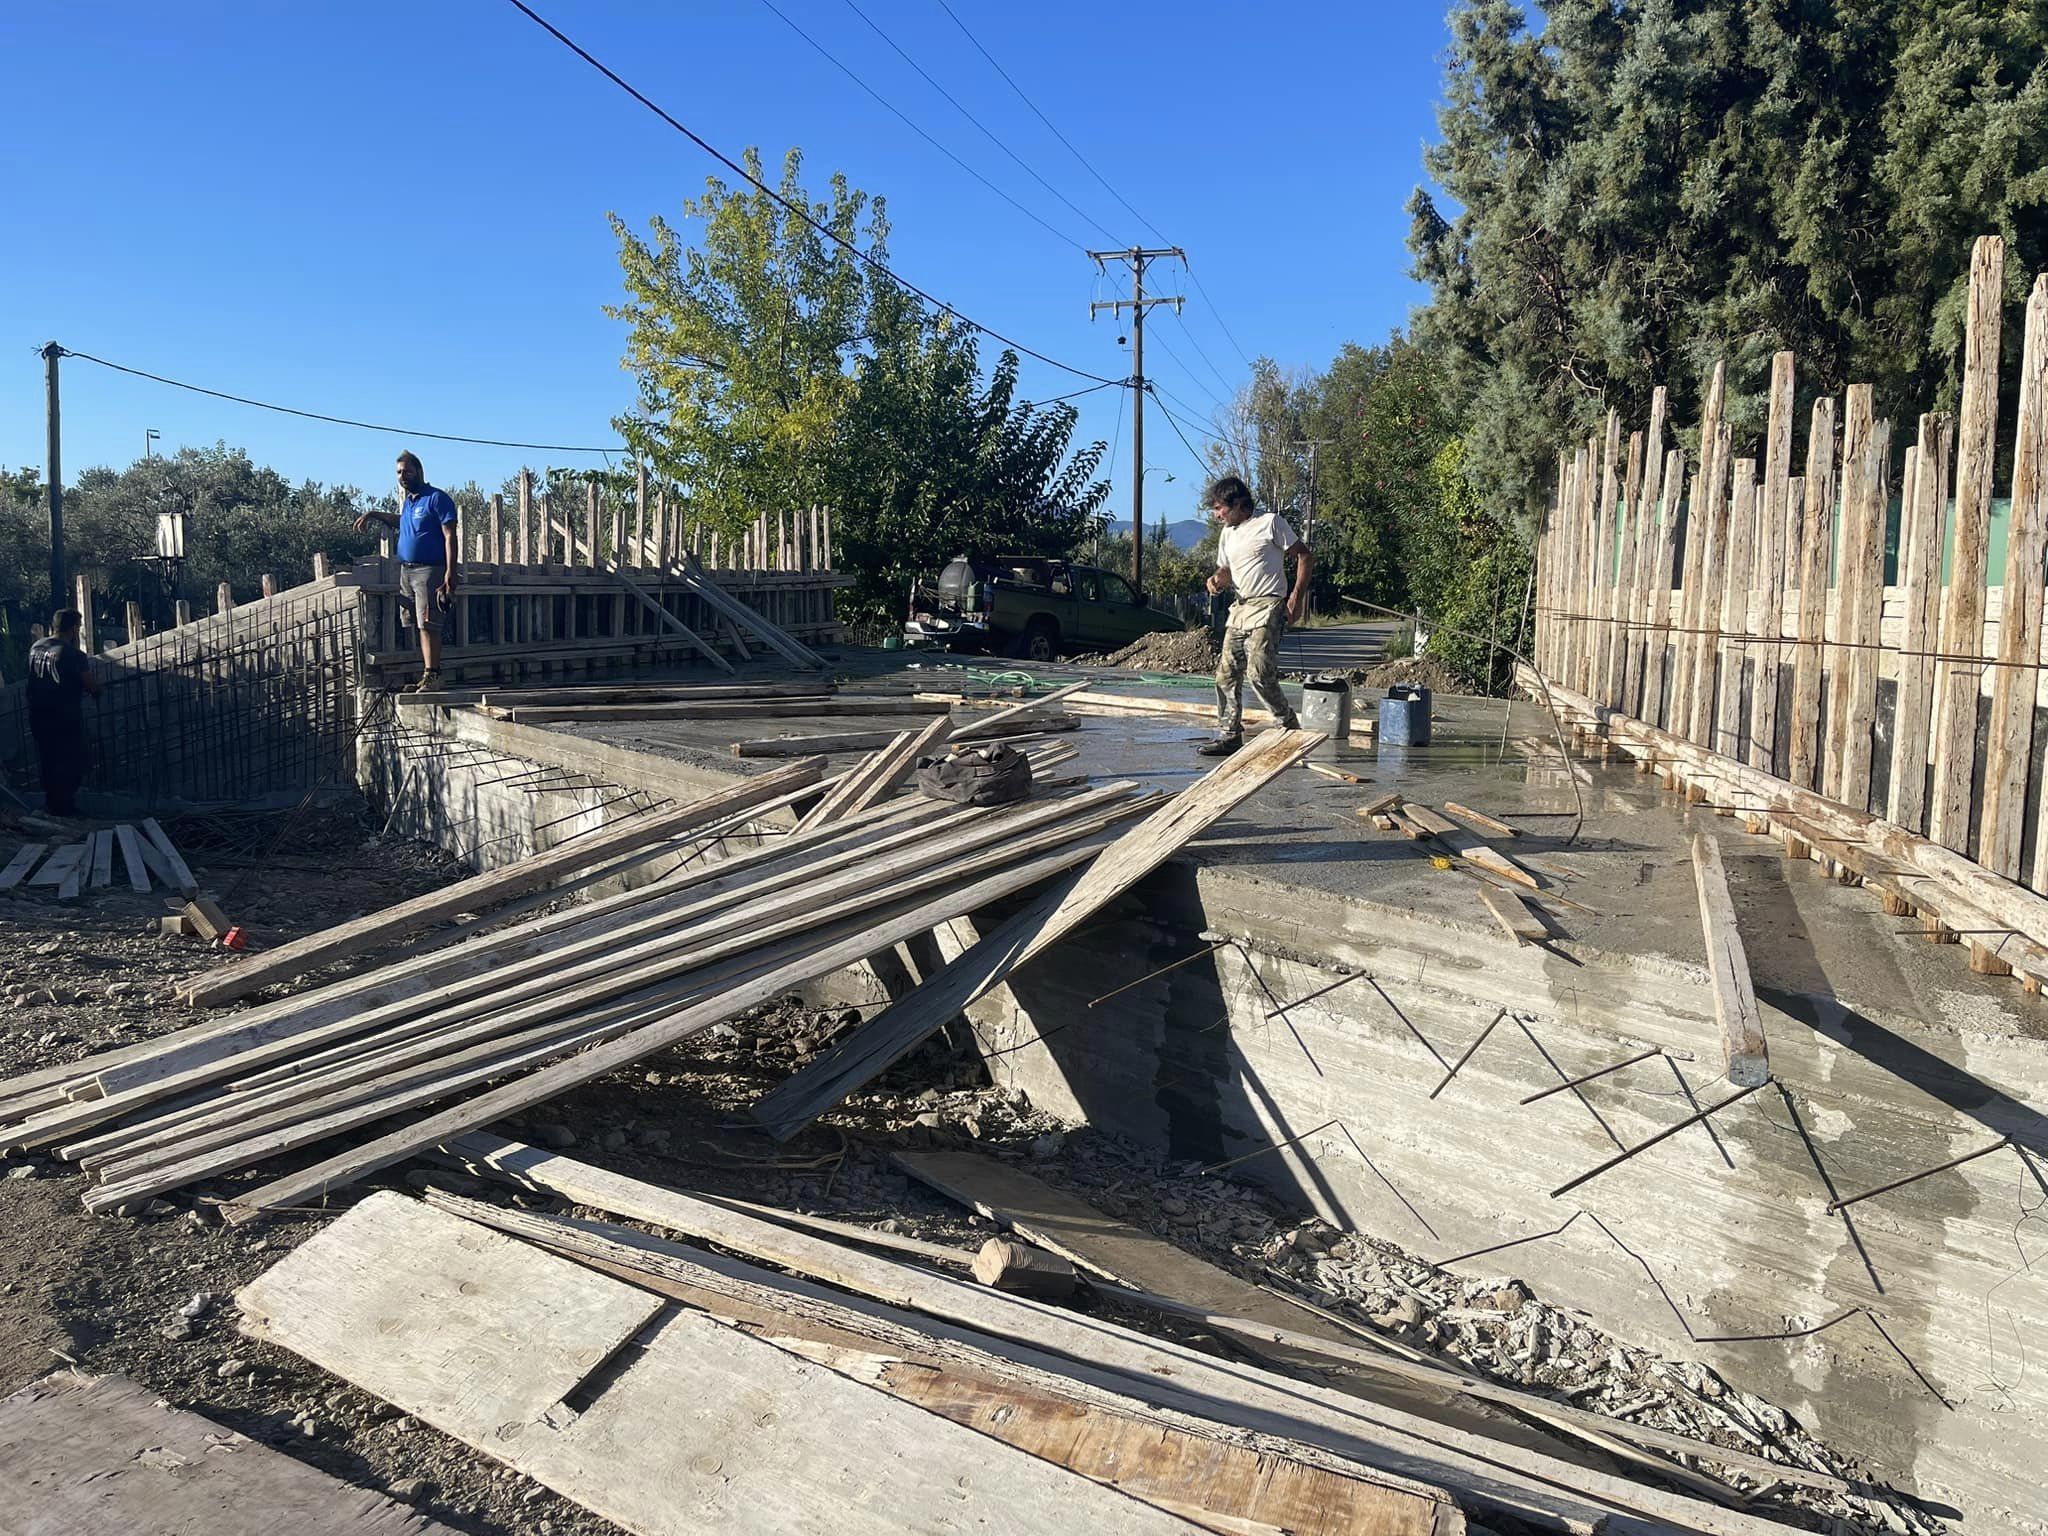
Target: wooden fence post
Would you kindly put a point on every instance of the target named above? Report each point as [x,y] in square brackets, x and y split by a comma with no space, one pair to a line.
[526,519]
[1920,540]
[639,551]
[132,611]
[1733,619]
[224,599]
[1712,498]
[267,583]
[2008,744]
[1959,684]
[1699,518]
[497,529]
[1773,558]
[1816,571]
[1657,635]
[1866,499]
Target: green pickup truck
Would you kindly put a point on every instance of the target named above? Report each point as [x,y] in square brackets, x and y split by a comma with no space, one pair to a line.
[1029,607]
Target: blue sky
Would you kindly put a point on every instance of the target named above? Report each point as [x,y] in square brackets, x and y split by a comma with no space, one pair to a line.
[397,212]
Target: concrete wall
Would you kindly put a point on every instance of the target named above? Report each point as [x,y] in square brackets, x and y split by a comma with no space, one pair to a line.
[1742,1242]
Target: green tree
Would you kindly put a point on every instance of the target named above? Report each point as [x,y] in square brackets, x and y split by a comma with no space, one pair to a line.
[776,371]
[744,344]
[931,461]
[1643,188]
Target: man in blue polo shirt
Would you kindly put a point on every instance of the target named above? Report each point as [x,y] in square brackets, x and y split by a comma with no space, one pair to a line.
[428,542]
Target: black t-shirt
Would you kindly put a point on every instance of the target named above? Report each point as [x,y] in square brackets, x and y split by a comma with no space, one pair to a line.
[56,681]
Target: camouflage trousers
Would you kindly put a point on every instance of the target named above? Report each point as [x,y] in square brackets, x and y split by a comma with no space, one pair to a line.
[1251,643]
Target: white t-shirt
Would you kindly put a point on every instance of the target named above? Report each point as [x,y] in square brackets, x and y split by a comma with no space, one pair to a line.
[1255,553]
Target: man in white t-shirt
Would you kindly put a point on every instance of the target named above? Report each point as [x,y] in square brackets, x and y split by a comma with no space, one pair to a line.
[1253,555]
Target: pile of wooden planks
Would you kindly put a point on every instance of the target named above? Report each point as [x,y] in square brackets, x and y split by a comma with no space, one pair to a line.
[70,869]
[523,1011]
[774,1373]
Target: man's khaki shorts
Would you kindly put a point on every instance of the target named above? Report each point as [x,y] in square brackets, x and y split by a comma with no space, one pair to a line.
[417,584]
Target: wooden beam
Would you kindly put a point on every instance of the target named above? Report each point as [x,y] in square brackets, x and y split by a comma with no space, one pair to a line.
[180,872]
[1815,495]
[1513,914]
[640,594]
[1735,1007]
[131,857]
[1852,688]
[1920,548]
[18,867]
[1958,684]
[481,891]
[87,1454]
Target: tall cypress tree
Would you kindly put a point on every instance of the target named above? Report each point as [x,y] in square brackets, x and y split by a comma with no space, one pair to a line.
[1638,189]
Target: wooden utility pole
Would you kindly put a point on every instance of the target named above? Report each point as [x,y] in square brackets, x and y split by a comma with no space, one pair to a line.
[55,475]
[1137,257]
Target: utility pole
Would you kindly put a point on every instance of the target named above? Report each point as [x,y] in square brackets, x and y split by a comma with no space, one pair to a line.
[1137,257]
[1314,445]
[55,451]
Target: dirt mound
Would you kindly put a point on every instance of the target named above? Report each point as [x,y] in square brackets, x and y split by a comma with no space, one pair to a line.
[1420,670]
[1189,651]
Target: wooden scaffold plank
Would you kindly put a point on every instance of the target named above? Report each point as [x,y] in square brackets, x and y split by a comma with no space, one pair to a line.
[1920,547]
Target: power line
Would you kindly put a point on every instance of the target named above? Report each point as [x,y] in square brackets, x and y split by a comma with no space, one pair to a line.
[1194,380]
[1076,394]
[339,421]
[1013,85]
[1196,342]
[906,120]
[1199,432]
[1090,168]
[793,209]
[986,132]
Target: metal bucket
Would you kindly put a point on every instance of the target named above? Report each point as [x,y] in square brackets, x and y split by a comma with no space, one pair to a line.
[1326,707]
[1404,716]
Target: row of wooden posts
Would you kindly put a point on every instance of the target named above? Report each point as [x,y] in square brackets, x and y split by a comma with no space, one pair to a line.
[654,532]
[1706,608]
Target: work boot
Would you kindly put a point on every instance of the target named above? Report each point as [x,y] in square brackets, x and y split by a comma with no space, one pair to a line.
[430,682]
[1222,746]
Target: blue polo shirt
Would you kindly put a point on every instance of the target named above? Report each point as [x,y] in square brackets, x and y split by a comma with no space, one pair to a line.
[421,520]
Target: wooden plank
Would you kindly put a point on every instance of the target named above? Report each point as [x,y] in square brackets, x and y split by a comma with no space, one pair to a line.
[896,763]
[1866,501]
[89,1455]
[481,891]
[59,865]
[1467,847]
[770,634]
[1622,594]
[1002,719]
[1712,496]
[103,857]
[1816,498]
[1733,619]
[1600,575]
[1486,1473]
[1658,600]
[207,920]
[690,637]
[1649,502]
[1920,546]
[131,858]
[1735,1007]
[1771,563]
[822,707]
[1513,914]
[2015,683]
[863,938]
[905,1023]
[1958,684]
[1481,820]
[804,746]
[1709,487]
[18,867]
[181,879]
[699,1427]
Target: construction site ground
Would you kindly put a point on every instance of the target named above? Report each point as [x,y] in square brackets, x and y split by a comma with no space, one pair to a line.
[150,1297]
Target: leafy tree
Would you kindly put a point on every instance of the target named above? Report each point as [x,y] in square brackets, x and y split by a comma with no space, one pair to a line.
[1468,576]
[1642,188]
[930,461]
[744,344]
[242,520]
[776,371]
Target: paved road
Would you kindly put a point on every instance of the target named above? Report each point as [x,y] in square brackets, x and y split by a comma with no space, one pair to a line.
[1335,647]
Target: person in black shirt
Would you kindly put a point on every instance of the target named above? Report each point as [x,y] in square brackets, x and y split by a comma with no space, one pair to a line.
[59,677]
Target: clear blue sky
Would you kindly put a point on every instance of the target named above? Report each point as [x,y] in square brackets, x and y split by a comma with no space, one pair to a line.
[397,212]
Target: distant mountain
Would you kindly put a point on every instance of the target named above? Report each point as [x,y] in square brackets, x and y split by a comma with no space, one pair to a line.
[1185,532]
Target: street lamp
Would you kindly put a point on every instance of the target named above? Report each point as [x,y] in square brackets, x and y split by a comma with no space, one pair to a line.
[149,436]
